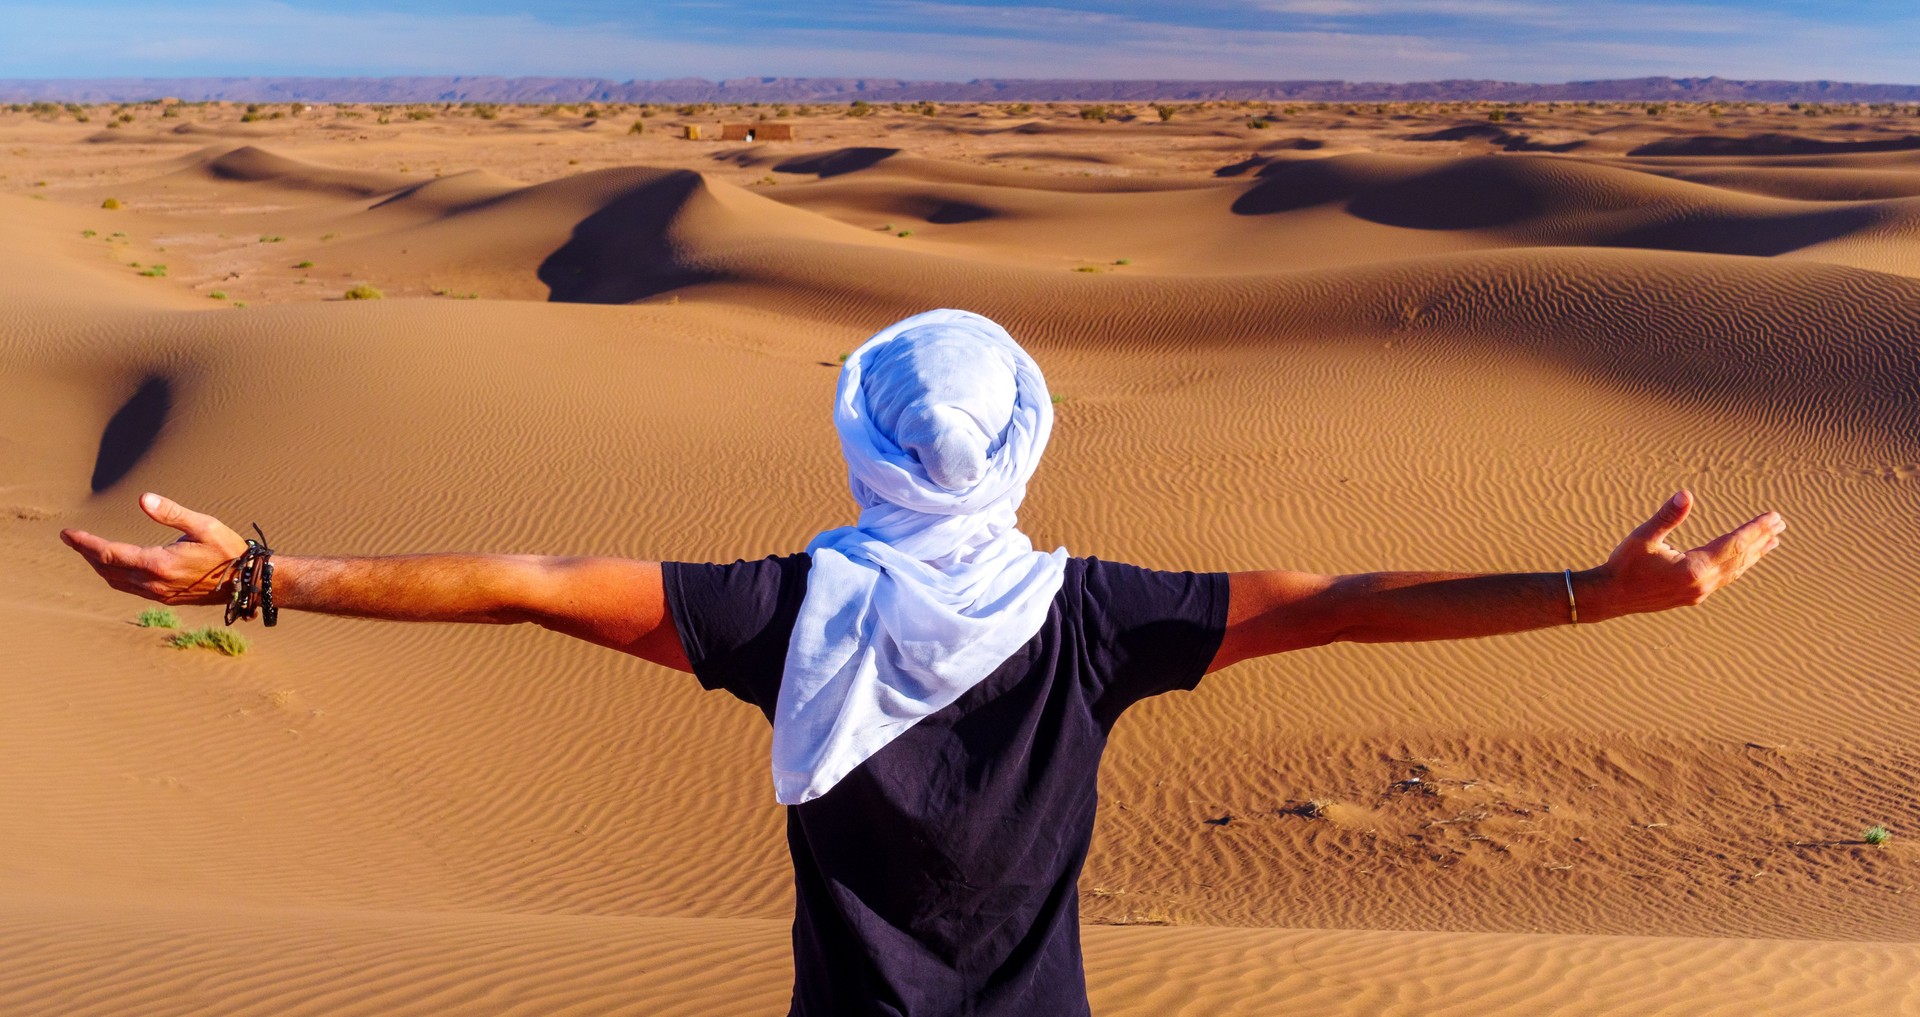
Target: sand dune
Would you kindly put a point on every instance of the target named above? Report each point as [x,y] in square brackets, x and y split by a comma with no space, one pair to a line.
[1341,349]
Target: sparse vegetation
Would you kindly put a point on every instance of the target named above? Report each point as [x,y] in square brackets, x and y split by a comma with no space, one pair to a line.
[158,618]
[1497,116]
[1057,399]
[155,272]
[1257,124]
[859,108]
[271,240]
[362,291]
[1123,261]
[1098,114]
[639,127]
[111,204]
[226,641]
[1086,268]
[303,264]
[89,234]
[1164,112]
[1877,835]
[217,295]
[904,233]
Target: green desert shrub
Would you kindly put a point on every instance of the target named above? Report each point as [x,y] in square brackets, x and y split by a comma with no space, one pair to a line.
[1877,835]
[363,292]
[1165,113]
[859,108]
[226,641]
[303,264]
[111,204]
[639,127]
[1095,113]
[158,618]
[218,295]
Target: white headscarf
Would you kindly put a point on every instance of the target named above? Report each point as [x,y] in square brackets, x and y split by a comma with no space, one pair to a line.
[942,418]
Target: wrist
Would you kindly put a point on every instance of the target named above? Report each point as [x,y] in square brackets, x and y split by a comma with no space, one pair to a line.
[1595,591]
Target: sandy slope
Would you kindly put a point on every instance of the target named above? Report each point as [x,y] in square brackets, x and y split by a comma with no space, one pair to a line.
[1356,347]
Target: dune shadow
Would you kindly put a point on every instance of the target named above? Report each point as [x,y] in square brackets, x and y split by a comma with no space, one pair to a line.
[1287,186]
[1465,132]
[1759,237]
[1454,198]
[951,212]
[837,162]
[131,432]
[1771,144]
[1474,194]
[1509,141]
[624,251]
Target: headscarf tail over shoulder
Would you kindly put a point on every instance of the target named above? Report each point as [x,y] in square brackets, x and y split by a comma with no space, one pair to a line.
[942,419]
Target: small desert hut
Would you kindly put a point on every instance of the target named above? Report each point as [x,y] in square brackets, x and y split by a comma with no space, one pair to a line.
[756,132]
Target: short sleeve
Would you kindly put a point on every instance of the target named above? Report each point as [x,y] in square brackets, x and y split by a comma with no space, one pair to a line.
[1149,632]
[735,621]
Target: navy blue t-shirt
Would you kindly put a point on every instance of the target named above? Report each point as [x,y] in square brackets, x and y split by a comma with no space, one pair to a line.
[940,876]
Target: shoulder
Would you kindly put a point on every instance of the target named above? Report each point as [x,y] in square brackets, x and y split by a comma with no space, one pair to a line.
[1122,596]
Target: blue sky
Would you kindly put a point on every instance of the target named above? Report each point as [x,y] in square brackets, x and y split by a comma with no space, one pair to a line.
[1381,40]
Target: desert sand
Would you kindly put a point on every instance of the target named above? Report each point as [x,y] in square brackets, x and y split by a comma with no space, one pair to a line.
[1350,338]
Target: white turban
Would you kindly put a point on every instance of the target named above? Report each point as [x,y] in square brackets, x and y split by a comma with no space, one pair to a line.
[942,418]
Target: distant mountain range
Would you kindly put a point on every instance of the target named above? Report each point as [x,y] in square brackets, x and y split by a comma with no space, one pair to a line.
[840,90]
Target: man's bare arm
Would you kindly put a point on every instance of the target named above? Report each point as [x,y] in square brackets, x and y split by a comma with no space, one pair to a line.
[1275,611]
[614,602]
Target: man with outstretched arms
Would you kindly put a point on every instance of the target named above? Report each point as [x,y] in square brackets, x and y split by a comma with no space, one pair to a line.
[940,691]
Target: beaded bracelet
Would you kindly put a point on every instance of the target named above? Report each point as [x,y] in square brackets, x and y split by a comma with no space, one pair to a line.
[255,564]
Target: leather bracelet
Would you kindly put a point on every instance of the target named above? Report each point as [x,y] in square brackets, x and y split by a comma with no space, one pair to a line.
[252,582]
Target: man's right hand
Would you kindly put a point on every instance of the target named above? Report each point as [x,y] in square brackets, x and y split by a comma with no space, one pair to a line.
[1646,574]
[191,570]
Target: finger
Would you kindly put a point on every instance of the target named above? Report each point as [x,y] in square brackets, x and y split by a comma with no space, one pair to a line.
[1664,521]
[101,551]
[1732,553]
[1750,534]
[198,525]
